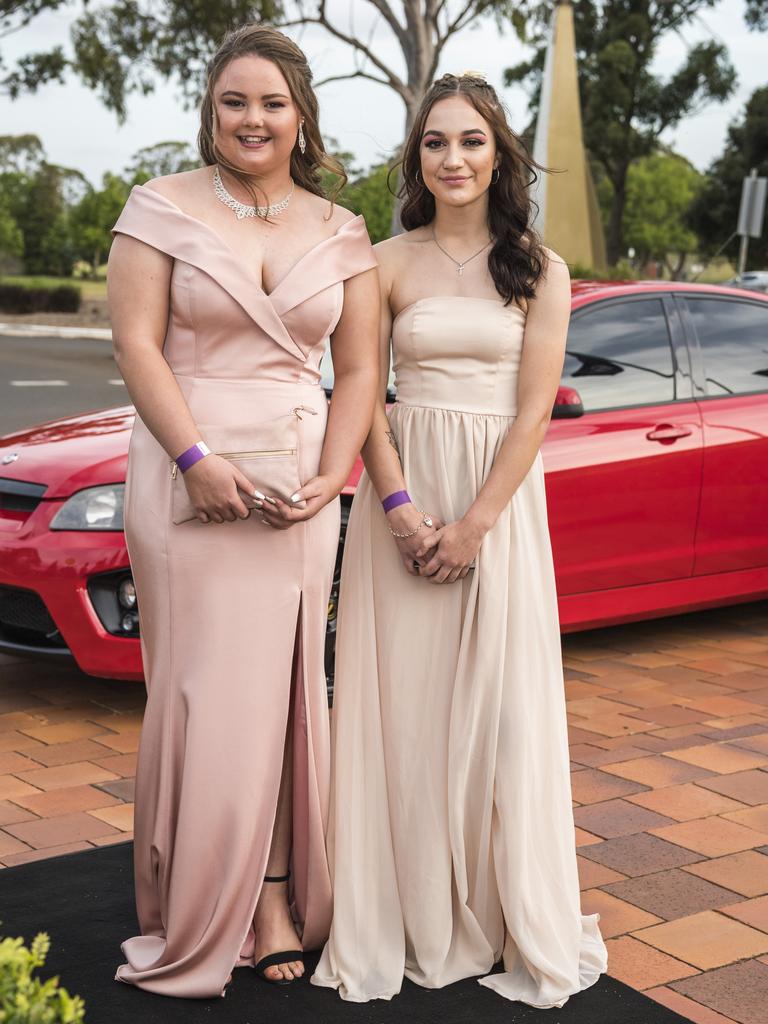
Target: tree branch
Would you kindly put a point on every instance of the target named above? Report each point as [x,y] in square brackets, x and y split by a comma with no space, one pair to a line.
[393,79]
[458,22]
[389,16]
[450,29]
[352,74]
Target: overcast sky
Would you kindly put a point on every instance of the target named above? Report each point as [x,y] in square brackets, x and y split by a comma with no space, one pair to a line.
[366,119]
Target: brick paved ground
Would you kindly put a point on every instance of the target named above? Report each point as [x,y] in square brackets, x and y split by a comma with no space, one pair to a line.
[669,747]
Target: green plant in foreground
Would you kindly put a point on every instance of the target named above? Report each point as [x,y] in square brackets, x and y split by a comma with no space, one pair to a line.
[25,999]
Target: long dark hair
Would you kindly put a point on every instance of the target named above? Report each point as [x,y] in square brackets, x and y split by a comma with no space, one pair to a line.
[516,260]
[265,41]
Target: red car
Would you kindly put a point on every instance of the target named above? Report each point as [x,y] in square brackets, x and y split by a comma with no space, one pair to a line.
[656,465]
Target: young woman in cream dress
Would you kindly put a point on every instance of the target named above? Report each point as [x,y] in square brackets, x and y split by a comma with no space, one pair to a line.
[451,839]
[221,314]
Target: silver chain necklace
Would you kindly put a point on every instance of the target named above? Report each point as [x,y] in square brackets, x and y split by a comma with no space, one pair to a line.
[460,264]
[242,210]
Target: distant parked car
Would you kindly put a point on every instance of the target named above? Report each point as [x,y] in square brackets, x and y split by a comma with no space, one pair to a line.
[752,281]
[656,468]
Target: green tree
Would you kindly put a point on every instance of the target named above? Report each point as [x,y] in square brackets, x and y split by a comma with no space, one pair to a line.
[36,199]
[161,159]
[626,107]
[369,195]
[757,14]
[44,223]
[715,211]
[21,154]
[37,196]
[123,46]
[660,190]
[93,218]
[11,239]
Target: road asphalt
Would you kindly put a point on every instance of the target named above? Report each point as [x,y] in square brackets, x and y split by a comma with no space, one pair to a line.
[59,373]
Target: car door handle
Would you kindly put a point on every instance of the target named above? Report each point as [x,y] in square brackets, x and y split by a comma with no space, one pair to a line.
[668,432]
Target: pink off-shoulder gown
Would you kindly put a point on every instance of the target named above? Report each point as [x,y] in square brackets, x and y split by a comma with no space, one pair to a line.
[231,615]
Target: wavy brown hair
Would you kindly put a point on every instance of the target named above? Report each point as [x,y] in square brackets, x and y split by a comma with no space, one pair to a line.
[265,41]
[517,259]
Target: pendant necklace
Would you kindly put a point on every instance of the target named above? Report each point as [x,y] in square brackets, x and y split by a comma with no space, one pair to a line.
[242,210]
[459,264]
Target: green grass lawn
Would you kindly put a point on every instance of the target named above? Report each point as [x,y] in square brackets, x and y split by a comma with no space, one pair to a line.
[88,289]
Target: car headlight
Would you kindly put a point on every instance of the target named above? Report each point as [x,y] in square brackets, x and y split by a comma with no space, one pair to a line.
[96,508]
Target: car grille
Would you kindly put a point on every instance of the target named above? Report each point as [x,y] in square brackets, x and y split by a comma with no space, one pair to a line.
[19,496]
[25,619]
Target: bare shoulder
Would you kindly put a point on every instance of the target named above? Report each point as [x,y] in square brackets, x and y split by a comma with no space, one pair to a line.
[323,212]
[555,280]
[396,251]
[178,186]
[340,215]
[386,250]
[390,255]
[554,264]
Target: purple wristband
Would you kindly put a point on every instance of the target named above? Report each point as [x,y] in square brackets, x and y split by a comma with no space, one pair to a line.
[192,455]
[393,500]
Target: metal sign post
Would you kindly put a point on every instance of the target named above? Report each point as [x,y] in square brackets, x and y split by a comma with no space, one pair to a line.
[751,214]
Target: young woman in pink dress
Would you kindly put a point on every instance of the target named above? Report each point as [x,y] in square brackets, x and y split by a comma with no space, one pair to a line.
[452,838]
[225,284]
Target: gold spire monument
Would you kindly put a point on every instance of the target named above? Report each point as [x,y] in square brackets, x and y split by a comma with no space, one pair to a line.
[568,218]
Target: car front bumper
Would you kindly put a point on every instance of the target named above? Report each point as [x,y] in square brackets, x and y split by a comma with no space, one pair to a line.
[46,609]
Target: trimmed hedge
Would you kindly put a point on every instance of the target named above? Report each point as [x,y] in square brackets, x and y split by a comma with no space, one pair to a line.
[19,298]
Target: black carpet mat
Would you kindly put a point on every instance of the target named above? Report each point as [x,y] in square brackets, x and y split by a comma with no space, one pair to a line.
[85,902]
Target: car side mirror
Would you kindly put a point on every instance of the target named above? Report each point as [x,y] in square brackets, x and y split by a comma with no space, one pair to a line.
[568,404]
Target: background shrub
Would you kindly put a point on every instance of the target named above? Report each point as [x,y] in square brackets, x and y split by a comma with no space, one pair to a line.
[20,298]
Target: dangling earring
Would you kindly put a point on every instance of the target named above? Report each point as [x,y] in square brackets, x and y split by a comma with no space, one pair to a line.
[419,180]
[302,140]
[497,172]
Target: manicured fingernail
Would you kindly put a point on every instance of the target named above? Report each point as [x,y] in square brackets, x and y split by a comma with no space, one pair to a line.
[258,494]
[271,501]
[258,503]
[294,497]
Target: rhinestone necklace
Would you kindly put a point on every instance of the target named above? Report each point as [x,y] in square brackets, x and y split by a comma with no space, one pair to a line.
[459,264]
[241,209]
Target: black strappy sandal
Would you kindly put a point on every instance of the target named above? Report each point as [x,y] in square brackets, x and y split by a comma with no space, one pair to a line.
[274,959]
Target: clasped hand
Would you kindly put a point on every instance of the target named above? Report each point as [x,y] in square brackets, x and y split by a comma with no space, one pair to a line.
[220,493]
[438,553]
[446,554]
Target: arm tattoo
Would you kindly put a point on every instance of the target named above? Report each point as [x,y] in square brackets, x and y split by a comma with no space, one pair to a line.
[393,442]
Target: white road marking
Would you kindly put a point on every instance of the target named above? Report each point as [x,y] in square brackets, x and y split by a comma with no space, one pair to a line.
[39,383]
[14,330]
[118,382]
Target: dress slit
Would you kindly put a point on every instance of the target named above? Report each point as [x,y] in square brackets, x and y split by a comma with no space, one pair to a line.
[300,761]
[296,702]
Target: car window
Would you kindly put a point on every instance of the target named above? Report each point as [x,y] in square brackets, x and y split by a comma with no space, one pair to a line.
[734,344]
[620,354]
[326,372]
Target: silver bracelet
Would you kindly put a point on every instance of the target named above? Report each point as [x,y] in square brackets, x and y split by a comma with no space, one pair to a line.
[426,521]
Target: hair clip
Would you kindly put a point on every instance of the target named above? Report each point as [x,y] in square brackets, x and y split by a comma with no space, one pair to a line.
[474,74]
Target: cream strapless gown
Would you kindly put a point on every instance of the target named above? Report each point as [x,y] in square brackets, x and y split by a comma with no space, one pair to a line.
[451,836]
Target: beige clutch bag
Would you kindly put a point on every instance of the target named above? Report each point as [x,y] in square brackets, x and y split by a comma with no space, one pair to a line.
[266,453]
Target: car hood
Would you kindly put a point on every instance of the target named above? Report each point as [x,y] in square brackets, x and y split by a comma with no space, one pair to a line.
[69,454]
